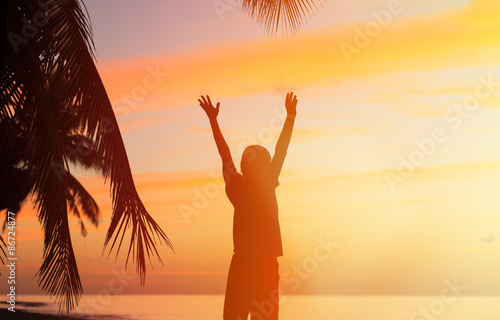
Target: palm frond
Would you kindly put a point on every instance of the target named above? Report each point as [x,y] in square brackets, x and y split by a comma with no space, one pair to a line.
[58,274]
[76,212]
[3,245]
[15,180]
[80,198]
[87,91]
[50,74]
[289,14]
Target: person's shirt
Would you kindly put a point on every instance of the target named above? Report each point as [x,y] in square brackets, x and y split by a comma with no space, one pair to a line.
[256,229]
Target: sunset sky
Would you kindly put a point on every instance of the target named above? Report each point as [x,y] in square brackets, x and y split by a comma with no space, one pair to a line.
[395,156]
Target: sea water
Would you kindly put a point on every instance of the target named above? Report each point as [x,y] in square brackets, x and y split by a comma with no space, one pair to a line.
[208,307]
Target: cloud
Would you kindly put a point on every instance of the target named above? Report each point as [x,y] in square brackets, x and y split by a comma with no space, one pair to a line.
[489,238]
[457,38]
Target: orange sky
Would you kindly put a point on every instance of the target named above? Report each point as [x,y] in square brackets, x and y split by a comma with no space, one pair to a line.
[357,125]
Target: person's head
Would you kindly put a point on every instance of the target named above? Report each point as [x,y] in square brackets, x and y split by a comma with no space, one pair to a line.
[254,161]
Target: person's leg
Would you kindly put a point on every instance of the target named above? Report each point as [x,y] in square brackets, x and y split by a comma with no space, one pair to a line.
[237,301]
[265,301]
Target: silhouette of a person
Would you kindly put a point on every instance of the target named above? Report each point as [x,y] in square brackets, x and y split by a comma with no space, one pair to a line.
[252,283]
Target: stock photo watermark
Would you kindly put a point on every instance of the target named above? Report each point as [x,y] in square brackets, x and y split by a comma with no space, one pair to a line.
[224,6]
[122,108]
[363,37]
[210,190]
[94,305]
[12,260]
[31,27]
[294,277]
[298,273]
[132,100]
[453,118]
[437,306]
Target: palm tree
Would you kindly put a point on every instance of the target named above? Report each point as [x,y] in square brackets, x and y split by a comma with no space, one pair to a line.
[53,99]
[53,102]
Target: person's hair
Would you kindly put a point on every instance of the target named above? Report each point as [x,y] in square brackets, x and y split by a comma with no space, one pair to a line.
[255,158]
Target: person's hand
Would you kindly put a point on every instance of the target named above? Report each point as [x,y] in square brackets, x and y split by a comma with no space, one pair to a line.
[291,104]
[211,111]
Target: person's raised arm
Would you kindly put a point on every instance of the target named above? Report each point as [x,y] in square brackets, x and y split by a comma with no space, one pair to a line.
[286,134]
[212,112]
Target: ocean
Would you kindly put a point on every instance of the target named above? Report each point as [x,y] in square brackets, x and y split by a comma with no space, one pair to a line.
[208,307]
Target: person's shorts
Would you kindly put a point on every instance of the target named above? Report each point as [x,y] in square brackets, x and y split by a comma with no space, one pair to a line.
[252,287]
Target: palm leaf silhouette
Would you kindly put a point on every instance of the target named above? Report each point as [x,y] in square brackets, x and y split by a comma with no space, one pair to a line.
[2,246]
[53,94]
[289,14]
